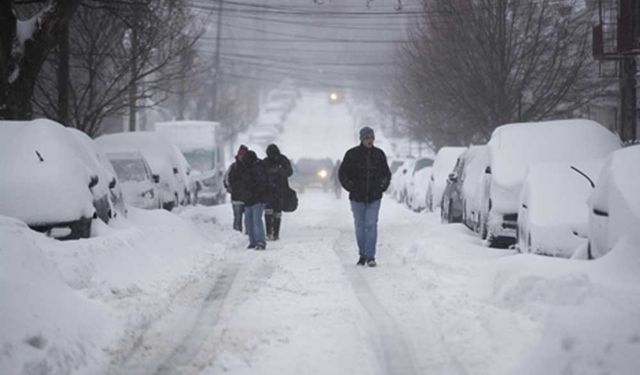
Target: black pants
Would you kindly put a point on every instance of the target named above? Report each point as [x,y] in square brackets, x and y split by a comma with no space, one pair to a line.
[273,219]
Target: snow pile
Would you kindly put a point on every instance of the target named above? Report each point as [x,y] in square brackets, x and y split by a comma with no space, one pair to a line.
[587,311]
[43,180]
[70,307]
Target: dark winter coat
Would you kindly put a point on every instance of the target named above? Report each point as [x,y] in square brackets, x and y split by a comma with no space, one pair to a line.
[232,179]
[279,169]
[365,174]
[254,186]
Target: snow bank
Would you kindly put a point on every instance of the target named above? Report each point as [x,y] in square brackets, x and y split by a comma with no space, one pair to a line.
[588,310]
[70,307]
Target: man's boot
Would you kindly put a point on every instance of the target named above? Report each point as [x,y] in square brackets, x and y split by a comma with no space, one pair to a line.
[268,219]
[276,228]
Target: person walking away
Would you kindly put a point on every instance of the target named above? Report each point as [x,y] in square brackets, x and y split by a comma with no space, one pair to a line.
[365,174]
[232,180]
[279,170]
[254,192]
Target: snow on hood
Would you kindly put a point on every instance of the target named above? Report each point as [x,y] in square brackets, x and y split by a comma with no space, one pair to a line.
[53,190]
[515,147]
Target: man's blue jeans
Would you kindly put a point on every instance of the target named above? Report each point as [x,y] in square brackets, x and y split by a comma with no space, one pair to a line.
[365,217]
[238,209]
[254,224]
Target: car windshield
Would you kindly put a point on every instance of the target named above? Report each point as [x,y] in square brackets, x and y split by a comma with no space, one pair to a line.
[130,169]
[422,163]
[200,159]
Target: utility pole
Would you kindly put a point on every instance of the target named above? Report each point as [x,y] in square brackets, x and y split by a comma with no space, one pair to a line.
[629,45]
[216,61]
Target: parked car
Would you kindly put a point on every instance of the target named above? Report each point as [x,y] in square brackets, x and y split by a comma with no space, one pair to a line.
[452,206]
[202,147]
[44,183]
[137,181]
[553,210]
[614,206]
[407,182]
[473,187]
[514,148]
[313,173]
[418,185]
[442,166]
[161,156]
[107,196]
[399,180]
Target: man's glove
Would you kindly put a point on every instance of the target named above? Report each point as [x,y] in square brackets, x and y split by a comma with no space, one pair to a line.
[384,185]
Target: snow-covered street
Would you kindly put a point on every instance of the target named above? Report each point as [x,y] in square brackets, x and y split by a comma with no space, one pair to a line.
[439,302]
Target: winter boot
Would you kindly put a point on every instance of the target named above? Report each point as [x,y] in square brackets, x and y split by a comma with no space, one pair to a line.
[276,228]
[371,262]
[268,219]
[361,261]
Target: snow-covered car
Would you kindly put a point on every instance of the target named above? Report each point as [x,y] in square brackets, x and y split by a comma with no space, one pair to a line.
[107,195]
[417,191]
[192,183]
[161,156]
[514,148]
[442,166]
[201,145]
[452,205]
[136,179]
[44,183]
[396,188]
[614,206]
[553,209]
[406,185]
[473,187]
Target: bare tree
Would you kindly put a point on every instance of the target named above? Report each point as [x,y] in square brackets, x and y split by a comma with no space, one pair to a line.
[472,65]
[23,53]
[124,56]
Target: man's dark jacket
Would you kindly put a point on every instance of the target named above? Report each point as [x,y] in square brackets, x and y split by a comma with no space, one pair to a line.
[365,174]
[252,180]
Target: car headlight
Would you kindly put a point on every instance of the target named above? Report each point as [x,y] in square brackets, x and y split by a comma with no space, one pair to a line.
[322,174]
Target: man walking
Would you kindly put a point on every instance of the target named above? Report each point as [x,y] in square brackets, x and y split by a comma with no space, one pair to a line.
[232,180]
[365,174]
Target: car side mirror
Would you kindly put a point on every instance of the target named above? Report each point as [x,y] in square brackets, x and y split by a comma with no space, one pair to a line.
[93,182]
[487,170]
[112,184]
[453,177]
[156,178]
[175,170]
[404,171]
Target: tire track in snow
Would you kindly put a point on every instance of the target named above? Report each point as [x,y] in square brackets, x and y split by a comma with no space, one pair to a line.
[394,352]
[180,358]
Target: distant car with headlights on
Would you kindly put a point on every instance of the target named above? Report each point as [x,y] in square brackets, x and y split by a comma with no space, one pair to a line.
[309,173]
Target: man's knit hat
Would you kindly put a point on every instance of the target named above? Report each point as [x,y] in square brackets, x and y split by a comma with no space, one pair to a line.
[366,132]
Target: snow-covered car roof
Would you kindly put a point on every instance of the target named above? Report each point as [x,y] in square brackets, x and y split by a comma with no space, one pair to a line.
[43,180]
[87,152]
[515,147]
[445,161]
